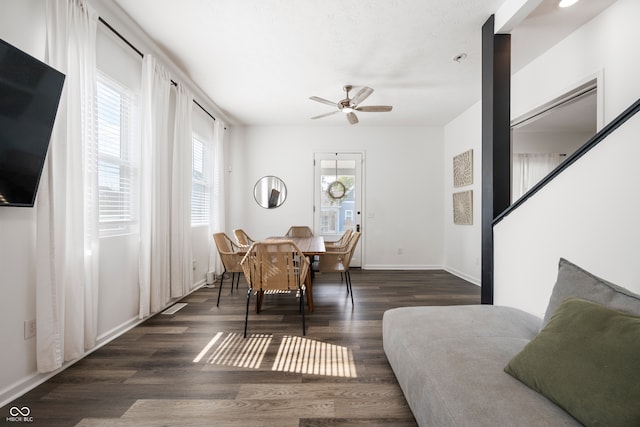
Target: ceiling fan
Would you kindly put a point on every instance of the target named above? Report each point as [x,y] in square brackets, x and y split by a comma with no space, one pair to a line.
[350,105]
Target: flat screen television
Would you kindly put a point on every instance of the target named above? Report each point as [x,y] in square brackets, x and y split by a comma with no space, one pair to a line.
[29,96]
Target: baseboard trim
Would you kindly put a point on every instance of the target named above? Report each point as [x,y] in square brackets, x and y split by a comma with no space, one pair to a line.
[460,274]
[401,267]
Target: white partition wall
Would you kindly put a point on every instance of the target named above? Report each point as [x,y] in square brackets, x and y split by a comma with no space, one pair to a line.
[588,214]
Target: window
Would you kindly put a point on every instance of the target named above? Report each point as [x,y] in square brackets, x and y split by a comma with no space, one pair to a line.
[200,187]
[117,159]
[348,216]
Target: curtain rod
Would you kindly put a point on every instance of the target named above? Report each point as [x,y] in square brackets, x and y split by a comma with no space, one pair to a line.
[128,43]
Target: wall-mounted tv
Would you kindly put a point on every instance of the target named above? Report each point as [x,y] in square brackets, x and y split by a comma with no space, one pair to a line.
[29,95]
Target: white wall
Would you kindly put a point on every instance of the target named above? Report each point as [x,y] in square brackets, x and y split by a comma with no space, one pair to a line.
[462,243]
[402,186]
[589,213]
[17,225]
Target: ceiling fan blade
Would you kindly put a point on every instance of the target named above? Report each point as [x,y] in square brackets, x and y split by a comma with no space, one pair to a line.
[322,100]
[361,95]
[353,119]
[326,114]
[375,108]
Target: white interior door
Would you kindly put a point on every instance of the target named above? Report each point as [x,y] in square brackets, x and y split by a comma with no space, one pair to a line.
[338,197]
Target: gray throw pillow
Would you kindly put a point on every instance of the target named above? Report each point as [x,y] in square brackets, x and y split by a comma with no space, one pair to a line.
[574,281]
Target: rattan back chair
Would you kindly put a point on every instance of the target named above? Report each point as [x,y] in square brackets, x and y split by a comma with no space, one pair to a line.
[340,244]
[299,231]
[339,261]
[243,238]
[231,259]
[275,267]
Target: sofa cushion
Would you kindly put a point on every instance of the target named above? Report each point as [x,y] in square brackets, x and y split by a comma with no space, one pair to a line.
[574,281]
[587,360]
[449,363]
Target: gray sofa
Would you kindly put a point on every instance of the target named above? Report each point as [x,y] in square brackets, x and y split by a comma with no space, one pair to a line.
[449,361]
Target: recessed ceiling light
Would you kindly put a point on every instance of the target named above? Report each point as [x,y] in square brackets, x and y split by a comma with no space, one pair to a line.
[567,3]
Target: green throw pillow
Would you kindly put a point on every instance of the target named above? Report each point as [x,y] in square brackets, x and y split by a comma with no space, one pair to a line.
[587,361]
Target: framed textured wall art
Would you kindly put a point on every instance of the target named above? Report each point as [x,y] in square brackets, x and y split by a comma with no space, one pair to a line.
[463,169]
[463,207]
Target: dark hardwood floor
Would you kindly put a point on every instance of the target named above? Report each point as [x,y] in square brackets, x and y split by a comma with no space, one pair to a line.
[193,368]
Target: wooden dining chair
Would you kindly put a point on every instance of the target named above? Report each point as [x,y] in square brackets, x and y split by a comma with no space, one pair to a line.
[231,259]
[299,231]
[339,261]
[242,237]
[274,267]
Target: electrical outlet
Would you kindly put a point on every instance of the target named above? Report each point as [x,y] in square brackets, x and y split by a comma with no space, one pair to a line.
[194,264]
[400,251]
[29,329]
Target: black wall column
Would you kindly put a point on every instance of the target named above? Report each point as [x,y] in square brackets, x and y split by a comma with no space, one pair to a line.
[496,146]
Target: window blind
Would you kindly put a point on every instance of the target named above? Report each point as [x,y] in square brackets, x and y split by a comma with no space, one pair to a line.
[200,185]
[117,170]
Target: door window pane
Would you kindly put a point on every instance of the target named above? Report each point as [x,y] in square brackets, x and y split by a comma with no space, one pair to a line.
[334,216]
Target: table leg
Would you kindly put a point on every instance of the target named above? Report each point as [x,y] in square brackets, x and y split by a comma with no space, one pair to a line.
[259,298]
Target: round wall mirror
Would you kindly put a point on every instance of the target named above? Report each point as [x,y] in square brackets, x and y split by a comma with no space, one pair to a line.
[270,192]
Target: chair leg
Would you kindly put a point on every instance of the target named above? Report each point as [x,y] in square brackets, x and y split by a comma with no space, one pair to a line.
[345,275]
[302,293]
[220,288]
[349,285]
[233,277]
[246,314]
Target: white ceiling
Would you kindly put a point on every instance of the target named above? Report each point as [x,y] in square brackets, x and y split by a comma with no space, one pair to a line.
[261,60]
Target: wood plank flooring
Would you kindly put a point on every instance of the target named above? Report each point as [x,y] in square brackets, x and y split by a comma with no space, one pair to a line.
[193,368]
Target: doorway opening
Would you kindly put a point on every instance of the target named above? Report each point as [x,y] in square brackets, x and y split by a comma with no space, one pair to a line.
[338,197]
[543,138]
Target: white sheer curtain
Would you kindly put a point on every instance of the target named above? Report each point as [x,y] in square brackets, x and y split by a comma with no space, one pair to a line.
[181,271]
[66,234]
[217,221]
[529,169]
[155,188]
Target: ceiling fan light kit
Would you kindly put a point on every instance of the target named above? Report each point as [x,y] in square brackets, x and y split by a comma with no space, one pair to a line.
[350,105]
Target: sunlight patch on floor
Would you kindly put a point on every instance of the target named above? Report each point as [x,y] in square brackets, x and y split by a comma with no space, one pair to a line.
[293,354]
[241,352]
[305,356]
